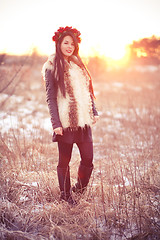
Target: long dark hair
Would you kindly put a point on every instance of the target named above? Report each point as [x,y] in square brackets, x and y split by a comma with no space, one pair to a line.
[59,64]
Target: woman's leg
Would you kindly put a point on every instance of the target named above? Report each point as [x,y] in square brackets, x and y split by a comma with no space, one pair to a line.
[86,166]
[86,152]
[65,153]
[63,171]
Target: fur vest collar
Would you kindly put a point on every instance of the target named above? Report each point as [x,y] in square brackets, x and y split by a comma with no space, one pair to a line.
[75,110]
[49,64]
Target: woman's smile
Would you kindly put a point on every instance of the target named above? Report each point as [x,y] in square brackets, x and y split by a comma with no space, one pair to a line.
[69,51]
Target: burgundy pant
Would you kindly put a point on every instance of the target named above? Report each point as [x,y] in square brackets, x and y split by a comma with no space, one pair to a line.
[65,153]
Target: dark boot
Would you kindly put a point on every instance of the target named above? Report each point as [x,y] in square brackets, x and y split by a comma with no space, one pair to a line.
[84,174]
[65,184]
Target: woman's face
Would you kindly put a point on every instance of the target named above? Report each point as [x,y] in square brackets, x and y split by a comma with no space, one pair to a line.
[67,46]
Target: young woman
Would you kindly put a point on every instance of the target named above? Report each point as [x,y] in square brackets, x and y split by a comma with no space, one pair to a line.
[71,105]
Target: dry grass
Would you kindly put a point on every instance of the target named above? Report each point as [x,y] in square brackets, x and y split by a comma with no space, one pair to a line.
[122,200]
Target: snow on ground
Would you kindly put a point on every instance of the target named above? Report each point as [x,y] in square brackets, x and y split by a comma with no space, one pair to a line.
[27,124]
[24,115]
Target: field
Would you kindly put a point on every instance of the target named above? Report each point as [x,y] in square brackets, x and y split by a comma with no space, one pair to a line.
[122,199]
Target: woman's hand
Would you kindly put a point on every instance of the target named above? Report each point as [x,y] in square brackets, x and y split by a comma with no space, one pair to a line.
[58,131]
[96,118]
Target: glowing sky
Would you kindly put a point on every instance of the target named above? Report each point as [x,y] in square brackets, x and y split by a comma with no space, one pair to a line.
[106,25]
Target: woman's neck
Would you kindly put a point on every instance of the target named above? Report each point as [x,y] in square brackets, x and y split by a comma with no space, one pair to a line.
[66,58]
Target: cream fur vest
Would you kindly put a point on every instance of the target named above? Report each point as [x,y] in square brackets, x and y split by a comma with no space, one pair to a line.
[75,110]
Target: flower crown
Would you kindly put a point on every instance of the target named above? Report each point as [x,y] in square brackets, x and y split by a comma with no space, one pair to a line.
[62,30]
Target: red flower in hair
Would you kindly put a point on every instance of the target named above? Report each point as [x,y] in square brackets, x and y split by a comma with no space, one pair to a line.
[62,30]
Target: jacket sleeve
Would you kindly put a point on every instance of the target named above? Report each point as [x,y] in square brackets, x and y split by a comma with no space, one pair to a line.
[51,97]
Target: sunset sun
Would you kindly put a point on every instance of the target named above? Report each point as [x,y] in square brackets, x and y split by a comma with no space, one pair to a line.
[115,53]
